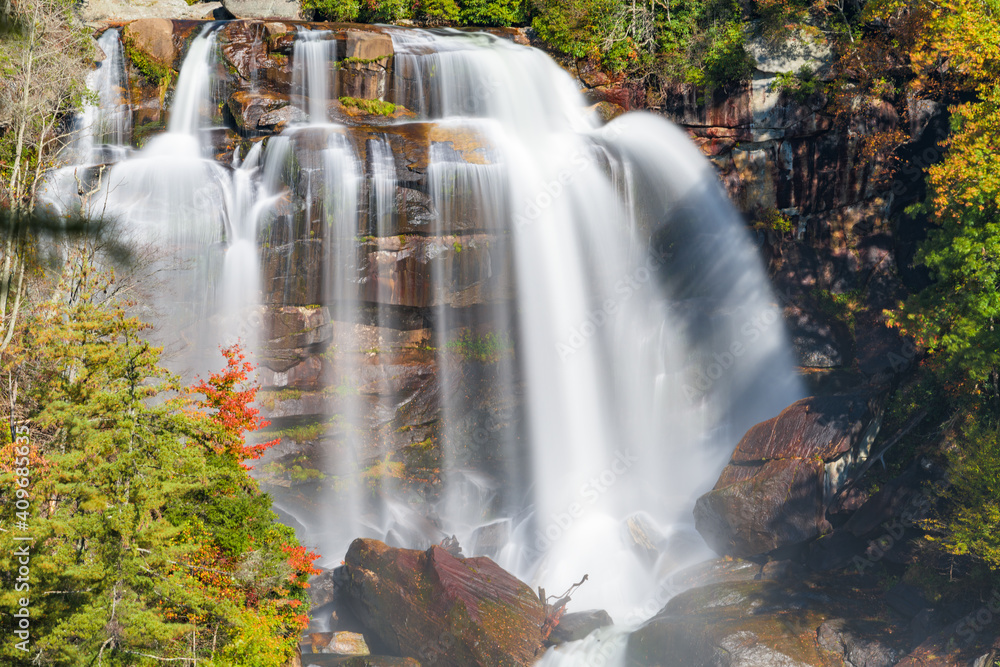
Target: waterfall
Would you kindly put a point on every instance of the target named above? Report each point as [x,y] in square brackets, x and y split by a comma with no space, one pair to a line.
[314,73]
[191,109]
[105,123]
[594,319]
[101,132]
[609,228]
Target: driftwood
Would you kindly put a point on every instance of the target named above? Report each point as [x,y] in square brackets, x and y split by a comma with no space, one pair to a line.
[555,611]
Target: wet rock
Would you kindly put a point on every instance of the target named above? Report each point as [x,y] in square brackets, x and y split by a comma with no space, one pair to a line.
[759,624]
[608,111]
[244,47]
[276,121]
[488,540]
[643,537]
[322,588]
[399,269]
[440,609]
[593,75]
[293,333]
[249,109]
[339,643]
[264,9]
[785,472]
[577,625]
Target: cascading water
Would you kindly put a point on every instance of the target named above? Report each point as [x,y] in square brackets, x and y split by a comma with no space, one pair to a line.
[105,124]
[617,317]
[101,131]
[607,232]
[314,76]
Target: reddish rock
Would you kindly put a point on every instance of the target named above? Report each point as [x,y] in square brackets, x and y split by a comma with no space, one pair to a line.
[784,473]
[444,611]
[819,427]
[244,46]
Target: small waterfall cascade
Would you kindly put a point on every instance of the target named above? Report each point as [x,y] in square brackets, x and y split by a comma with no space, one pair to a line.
[518,326]
[101,131]
[382,187]
[315,76]
[191,109]
[105,124]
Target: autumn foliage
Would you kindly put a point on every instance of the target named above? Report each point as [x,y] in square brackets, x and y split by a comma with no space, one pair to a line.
[229,396]
[149,537]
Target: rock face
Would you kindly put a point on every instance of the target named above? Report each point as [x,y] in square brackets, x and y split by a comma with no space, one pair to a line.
[154,37]
[442,610]
[264,9]
[116,10]
[784,473]
[365,73]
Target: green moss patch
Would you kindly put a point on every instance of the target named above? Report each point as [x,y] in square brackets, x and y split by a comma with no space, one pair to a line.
[376,107]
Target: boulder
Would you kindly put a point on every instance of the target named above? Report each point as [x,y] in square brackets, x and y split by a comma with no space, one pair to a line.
[442,610]
[102,11]
[264,9]
[838,637]
[339,643]
[326,660]
[784,474]
[368,45]
[577,625]
[276,121]
[154,38]
[794,623]
[249,109]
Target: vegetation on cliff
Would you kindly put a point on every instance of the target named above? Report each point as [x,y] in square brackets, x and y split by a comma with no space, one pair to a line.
[127,498]
[955,55]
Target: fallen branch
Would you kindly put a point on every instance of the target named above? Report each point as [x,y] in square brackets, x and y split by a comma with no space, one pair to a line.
[554,612]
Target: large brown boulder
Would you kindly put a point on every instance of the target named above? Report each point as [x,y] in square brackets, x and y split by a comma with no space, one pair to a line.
[784,474]
[442,610]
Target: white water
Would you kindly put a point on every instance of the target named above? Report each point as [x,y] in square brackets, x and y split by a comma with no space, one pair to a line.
[105,122]
[314,76]
[646,336]
[610,350]
[101,132]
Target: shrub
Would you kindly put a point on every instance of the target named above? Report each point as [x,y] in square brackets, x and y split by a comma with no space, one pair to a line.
[493,12]
[334,10]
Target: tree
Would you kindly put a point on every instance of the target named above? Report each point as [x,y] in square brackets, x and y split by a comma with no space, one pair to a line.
[149,539]
[44,57]
[957,318]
